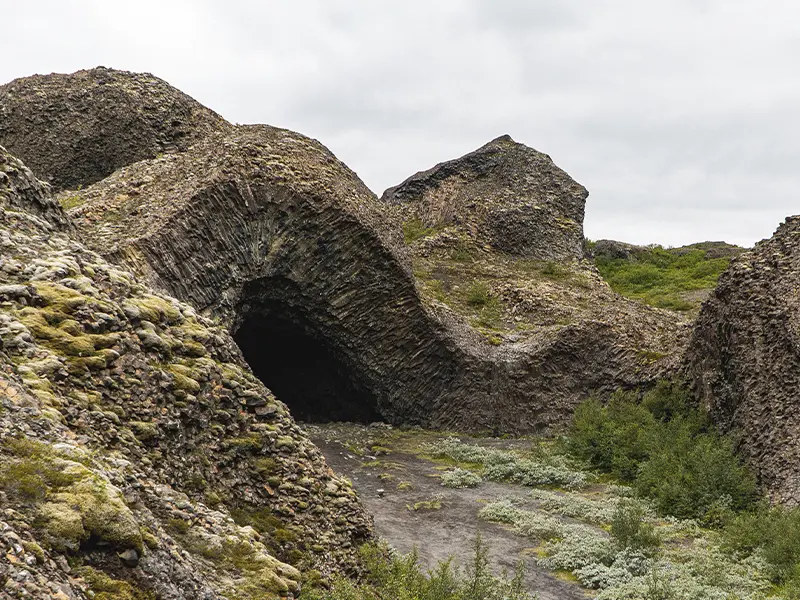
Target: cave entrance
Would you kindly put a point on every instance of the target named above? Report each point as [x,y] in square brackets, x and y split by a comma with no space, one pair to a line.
[301,368]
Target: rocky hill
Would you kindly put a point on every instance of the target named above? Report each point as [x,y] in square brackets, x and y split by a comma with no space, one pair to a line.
[73,130]
[131,431]
[504,196]
[342,317]
[743,358]
[678,278]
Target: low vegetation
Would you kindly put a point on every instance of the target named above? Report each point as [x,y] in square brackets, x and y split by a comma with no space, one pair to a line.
[663,277]
[642,500]
[666,450]
[393,577]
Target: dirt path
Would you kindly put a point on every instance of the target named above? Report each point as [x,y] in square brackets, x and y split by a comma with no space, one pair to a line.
[388,485]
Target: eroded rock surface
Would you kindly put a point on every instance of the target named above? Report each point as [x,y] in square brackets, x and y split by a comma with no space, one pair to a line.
[131,431]
[507,196]
[73,130]
[267,230]
[744,358]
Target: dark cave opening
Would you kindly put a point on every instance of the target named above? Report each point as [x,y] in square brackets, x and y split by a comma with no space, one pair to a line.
[302,369]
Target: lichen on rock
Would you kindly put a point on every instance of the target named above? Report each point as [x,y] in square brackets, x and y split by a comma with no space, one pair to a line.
[106,439]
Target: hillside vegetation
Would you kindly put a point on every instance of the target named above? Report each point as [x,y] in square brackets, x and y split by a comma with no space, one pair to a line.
[673,278]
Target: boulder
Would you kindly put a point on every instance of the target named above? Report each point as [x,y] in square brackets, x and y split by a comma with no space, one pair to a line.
[73,130]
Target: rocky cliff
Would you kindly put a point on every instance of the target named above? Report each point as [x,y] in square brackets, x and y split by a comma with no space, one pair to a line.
[744,358]
[460,300]
[131,432]
[505,196]
[73,130]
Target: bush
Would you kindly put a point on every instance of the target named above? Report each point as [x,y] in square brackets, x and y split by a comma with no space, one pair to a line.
[630,530]
[663,447]
[775,533]
[390,576]
[694,475]
[660,276]
[615,438]
[460,478]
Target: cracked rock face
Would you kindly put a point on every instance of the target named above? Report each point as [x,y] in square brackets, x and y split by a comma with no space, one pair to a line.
[744,358]
[131,432]
[73,130]
[507,196]
[266,230]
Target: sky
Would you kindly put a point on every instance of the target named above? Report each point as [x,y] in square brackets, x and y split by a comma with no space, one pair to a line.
[681,117]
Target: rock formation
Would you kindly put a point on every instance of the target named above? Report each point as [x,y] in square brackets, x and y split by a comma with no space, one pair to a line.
[131,431]
[265,230]
[350,307]
[744,358]
[506,196]
[73,130]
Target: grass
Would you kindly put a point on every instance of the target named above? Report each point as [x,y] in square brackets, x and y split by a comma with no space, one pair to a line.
[661,277]
[414,229]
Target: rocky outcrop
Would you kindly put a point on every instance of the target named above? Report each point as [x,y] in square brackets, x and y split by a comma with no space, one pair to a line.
[744,358]
[131,431]
[507,196]
[266,230]
[73,130]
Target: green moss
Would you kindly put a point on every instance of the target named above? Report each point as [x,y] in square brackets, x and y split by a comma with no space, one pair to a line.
[155,309]
[183,379]
[107,588]
[100,509]
[32,473]
[149,539]
[59,298]
[144,430]
[178,526]
[77,365]
[72,503]
[265,466]
[70,202]
[414,229]
[36,550]
[71,327]
[258,575]
[431,504]
[247,442]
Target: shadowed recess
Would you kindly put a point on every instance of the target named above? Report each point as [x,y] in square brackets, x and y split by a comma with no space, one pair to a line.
[301,368]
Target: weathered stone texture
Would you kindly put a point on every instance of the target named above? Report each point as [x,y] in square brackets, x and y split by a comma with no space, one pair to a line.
[73,130]
[131,430]
[506,195]
[744,358]
[261,223]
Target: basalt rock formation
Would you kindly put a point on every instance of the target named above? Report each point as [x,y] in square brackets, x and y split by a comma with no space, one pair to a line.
[744,358]
[73,130]
[265,230]
[131,431]
[505,196]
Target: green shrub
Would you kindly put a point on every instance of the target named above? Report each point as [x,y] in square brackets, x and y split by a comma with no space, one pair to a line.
[394,577]
[613,438]
[478,294]
[775,533]
[691,474]
[663,447]
[630,530]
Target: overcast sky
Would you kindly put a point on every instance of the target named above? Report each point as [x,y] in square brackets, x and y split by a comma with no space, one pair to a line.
[681,117]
